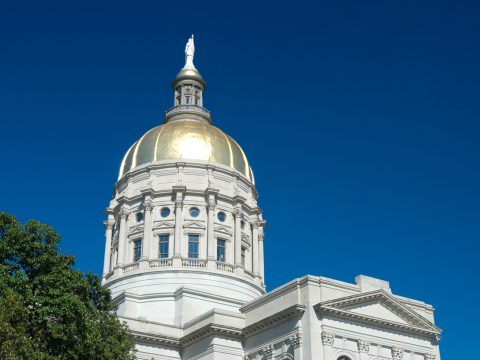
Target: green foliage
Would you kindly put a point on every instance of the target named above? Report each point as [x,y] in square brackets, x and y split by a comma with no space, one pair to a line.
[48,310]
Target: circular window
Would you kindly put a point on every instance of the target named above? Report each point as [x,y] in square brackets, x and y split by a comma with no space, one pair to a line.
[221,216]
[194,212]
[164,212]
[139,217]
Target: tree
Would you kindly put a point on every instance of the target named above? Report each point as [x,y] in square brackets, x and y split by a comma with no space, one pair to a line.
[48,310]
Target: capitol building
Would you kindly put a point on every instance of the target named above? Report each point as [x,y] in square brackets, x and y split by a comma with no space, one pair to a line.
[184,260]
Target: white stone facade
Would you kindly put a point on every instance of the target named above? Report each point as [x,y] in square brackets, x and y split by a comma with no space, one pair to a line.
[185,264]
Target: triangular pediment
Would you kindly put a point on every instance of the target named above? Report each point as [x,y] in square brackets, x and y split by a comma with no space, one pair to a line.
[378,307]
[194,225]
[223,230]
[135,229]
[163,225]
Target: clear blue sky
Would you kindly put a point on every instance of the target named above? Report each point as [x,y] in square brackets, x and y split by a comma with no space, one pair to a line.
[360,119]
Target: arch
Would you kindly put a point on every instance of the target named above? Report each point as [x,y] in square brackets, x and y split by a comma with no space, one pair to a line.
[344,355]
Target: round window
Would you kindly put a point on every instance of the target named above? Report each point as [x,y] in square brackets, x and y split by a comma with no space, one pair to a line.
[164,212]
[194,212]
[139,217]
[221,216]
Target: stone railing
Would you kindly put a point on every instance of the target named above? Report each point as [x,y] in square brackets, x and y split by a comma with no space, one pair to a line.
[190,107]
[225,267]
[194,263]
[160,263]
[130,267]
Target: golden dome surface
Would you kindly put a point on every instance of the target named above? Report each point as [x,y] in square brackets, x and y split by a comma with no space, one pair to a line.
[184,140]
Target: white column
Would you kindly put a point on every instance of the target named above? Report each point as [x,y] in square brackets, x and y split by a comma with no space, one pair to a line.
[255,248]
[261,267]
[211,234]
[237,213]
[148,245]
[108,243]
[178,228]
[122,238]
[178,191]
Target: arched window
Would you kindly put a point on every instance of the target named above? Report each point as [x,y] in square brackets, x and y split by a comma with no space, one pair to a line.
[343,357]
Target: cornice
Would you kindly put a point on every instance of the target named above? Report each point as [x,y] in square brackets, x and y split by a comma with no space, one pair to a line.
[163,340]
[291,312]
[212,329]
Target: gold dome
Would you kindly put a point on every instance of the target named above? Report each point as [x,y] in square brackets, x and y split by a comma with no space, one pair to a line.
[186,139]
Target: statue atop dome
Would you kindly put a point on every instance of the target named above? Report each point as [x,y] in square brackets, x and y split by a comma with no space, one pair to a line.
[189,53]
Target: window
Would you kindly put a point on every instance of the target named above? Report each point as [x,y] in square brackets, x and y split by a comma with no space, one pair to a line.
[193,246]
[221,216]
[187,100]
[243,256]
[343,358]
[163,246]
[164,212]
[137,250]
[194,212]
[221,250]
[139,217]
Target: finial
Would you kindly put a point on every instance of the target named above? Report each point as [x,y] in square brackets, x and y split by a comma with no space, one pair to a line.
[189,53]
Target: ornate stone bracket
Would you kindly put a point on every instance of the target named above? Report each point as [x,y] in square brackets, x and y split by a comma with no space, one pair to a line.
[363,346]
[397,353]
[327,338]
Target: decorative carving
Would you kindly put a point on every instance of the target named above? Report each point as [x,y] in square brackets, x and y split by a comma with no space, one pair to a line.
[397,353]
[363,346]
[327,338]
[254,223]
[109,224]
[269,351]
[430,356]
[211,204]
[179,203]
[237,212]
[124,213]
[148,205]
[296,340]
[261,236]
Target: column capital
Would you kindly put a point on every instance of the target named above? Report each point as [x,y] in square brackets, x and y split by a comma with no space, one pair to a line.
[124,212]
[397,353]
[269,351]
[430,356]
[296,340]
[109,224]
[328,338]
[148,205]
[363,346]
[211,204]
[237,212]
[178,203]
[261,236]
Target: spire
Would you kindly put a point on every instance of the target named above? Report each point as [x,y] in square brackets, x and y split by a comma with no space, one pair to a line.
[188,87]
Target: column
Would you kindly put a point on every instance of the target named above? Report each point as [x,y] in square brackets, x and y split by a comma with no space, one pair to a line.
[177,244]
[255,247]
[261,267]
[148,245]
[327,341]
[108,243]
[211,232]
[122,238]
[237,213]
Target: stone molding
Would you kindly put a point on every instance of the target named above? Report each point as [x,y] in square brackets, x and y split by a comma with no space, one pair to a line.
[282,316]
[328,338]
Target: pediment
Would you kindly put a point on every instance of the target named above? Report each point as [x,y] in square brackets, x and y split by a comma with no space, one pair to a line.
[378,307]
[163,225]
[222,229]
[135,229]
[194,225]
